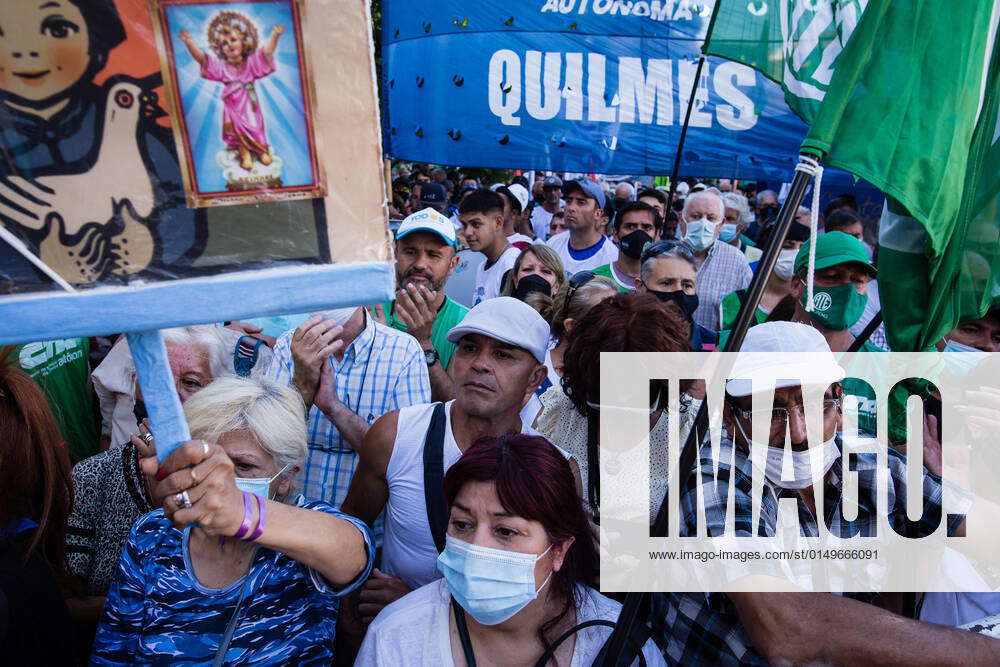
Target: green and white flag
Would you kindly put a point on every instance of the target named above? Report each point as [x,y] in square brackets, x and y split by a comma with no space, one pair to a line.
[903,94]
[916,115]
[795,43]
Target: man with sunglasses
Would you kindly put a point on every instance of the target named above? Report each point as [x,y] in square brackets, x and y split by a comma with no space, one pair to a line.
[800,627]
[667,270]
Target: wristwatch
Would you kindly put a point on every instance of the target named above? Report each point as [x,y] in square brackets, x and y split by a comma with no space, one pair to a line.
[431,357]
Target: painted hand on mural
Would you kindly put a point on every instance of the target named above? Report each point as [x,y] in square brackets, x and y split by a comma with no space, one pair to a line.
[91,230]
[89,179]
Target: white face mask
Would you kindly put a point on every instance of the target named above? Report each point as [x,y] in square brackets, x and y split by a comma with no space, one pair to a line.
[700,234]
[338,315]
[801,469]
[784,267]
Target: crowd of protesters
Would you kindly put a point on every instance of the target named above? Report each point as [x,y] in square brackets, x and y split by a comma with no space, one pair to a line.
[415,482]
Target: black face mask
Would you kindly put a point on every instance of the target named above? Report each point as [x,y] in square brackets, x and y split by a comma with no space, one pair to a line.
[688,303]
[632,244]
[530,284]
[768,212]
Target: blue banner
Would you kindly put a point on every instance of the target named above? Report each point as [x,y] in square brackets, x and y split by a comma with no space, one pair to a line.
[594,86]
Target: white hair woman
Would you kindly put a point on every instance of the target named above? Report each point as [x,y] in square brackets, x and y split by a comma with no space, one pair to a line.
[235,567]
[109,491]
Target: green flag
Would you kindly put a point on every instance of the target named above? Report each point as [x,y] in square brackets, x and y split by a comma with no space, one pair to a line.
[916,116]
[795,44]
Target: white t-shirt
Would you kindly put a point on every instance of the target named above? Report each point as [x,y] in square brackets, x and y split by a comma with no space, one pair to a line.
[408,550]
[601,253]
[542,219]
[414,630]
[488,278]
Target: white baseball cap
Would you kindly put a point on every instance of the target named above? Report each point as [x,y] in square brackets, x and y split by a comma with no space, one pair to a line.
[428,220]
[509,320]
[778,367]
[520,192]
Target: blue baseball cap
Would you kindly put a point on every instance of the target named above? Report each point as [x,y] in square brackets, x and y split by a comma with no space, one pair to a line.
[432,193]
[589,188]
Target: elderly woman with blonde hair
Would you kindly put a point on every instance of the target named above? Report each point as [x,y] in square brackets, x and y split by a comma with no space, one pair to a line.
[236,567]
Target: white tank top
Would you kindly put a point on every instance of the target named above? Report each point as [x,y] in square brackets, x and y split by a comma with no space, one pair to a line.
[408,550]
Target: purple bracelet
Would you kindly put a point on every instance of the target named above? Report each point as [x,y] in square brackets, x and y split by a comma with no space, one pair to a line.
[247,516]
[262,520]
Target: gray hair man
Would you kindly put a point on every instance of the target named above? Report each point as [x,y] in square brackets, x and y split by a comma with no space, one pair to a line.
[721,267]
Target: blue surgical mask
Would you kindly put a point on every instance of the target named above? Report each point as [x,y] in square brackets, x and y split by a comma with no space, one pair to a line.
[960,364]
[728,232]
[259,486]
[491,584]
[700,234]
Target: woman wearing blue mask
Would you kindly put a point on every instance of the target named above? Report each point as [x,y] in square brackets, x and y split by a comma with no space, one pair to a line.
[519,568]
[235,567]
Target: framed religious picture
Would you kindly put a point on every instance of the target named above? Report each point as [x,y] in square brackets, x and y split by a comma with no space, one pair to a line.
[241,99]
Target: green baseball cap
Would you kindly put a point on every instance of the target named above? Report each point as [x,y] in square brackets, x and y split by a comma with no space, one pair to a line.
[834,248]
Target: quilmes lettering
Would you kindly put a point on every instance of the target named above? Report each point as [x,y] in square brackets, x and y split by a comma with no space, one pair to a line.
[606,89]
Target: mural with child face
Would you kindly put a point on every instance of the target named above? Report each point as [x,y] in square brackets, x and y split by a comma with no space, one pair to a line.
[89,178]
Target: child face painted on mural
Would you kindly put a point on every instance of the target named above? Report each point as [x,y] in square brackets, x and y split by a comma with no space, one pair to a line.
[44,50]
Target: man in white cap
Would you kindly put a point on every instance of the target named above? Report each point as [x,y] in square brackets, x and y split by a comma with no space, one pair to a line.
[426,246]
[500,360]
[515,197]
[797,628]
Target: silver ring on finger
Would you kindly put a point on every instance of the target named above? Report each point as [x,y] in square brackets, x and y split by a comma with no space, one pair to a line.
[183,500]
[147,438]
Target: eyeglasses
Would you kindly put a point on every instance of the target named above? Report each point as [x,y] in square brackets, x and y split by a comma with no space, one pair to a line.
[577,281]
[779,416]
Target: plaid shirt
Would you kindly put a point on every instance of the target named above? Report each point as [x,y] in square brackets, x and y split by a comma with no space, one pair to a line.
[704,628]
[383,370]
[725,270]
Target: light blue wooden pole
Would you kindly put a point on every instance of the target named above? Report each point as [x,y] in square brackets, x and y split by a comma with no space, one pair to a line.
[166,419]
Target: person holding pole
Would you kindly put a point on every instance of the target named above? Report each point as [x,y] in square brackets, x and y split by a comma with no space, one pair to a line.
[236,567]
[799,627]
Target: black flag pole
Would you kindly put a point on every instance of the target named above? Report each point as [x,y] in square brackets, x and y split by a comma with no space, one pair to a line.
[680,142]
[612,652]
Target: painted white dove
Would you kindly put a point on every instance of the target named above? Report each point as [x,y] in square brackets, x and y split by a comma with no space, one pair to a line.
[92,219]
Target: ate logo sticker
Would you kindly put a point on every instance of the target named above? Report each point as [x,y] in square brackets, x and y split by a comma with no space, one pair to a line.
[822,301]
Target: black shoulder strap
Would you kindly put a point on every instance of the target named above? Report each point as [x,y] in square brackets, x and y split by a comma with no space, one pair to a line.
[463,633]
[437,512]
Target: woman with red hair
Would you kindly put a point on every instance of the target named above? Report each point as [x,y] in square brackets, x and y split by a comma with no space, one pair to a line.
[35,500]
[519,568]
[626,322]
